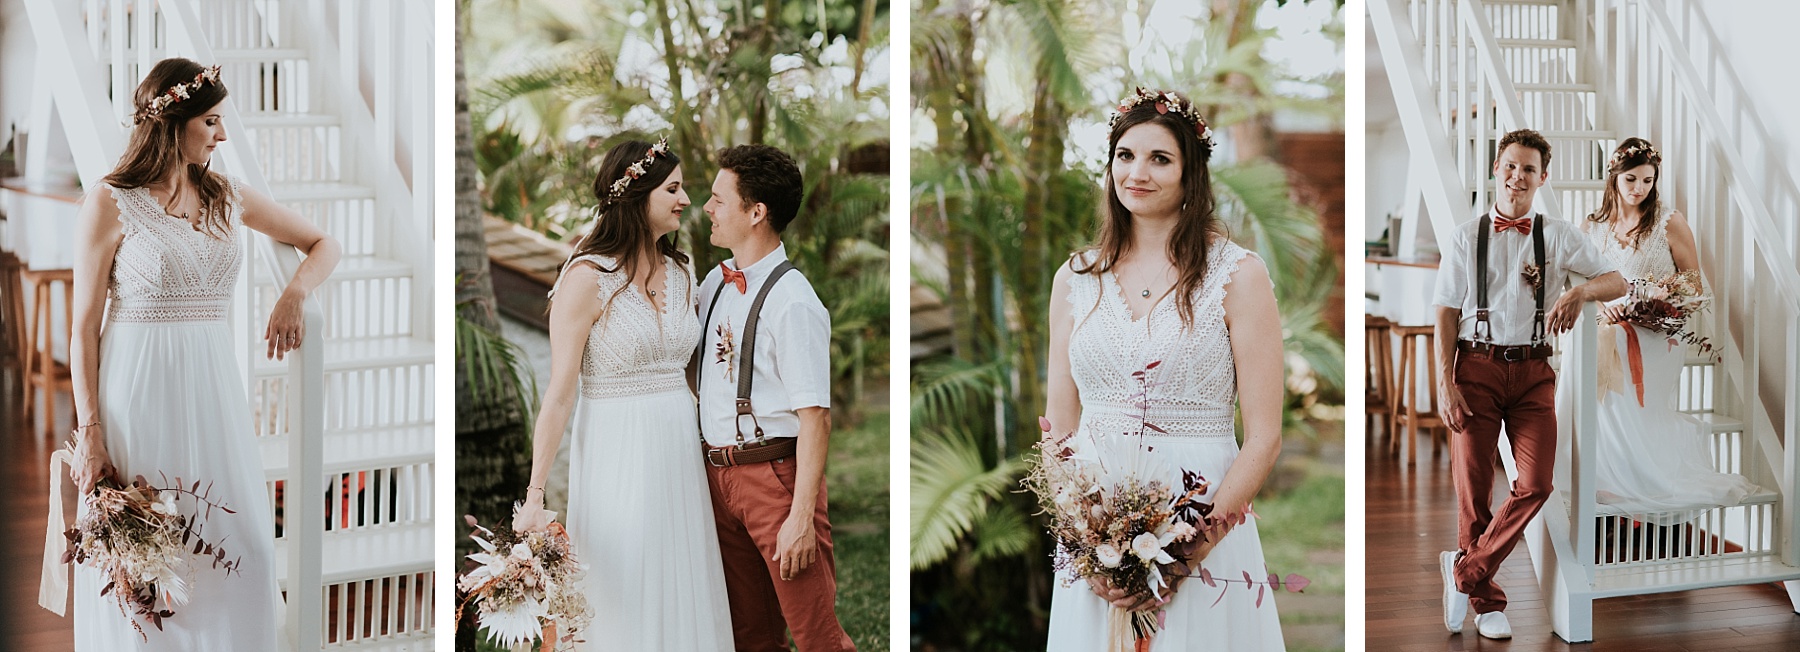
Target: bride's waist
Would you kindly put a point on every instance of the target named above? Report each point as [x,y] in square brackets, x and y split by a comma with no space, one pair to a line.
[636,384]
[169,308]
[1158,419]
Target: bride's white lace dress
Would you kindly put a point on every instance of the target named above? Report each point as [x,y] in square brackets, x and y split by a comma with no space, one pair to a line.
[172,402]
[639,514]
[1654,462]
[1193,395]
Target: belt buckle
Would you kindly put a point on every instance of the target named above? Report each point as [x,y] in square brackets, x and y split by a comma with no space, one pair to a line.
[1513,354]
[715,457]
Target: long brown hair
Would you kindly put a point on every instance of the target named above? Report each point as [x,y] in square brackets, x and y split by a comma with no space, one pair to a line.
[1629,154]
[154,151]
[622,226]
[1198,225]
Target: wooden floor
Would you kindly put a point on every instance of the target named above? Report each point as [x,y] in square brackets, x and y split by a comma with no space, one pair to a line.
[24,454]
[1412,517]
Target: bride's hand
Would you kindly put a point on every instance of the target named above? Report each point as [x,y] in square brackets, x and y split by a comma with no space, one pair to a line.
[287,325]
[530,515]
[92,463]
[1139,600]
[1614,313]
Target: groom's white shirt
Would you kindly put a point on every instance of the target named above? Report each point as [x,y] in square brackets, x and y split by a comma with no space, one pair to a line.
[793,353]
[1511,303]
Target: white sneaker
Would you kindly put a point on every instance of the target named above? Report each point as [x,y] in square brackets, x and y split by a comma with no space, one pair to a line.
[1493,625]
[1456,603]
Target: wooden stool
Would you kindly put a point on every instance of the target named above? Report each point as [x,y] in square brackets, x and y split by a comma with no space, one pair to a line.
[42,371]
[12,322]
[1378,398]
[1417,344]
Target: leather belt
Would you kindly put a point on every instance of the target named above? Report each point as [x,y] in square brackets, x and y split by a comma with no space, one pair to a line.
[773,448]
[1519,353]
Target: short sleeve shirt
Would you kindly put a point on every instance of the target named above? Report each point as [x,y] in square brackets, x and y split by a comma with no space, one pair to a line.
[1511,301]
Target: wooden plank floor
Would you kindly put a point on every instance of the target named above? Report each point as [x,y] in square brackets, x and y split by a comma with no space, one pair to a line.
[1412,517]
[24,454]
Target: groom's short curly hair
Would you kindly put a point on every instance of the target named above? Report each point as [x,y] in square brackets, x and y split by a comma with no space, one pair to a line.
[1525,138]
[768,176]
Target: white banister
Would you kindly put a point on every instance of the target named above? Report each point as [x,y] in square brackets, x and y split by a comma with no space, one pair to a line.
[1585,449]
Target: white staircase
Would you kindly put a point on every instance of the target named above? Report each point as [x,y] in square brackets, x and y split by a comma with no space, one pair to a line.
[345,424]
[1585,74]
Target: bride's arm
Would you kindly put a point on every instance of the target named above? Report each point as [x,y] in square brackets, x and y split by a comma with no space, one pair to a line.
[1256,349]
[572,314]
[1063,401]
[286,327]
[97,237]
[1681,248]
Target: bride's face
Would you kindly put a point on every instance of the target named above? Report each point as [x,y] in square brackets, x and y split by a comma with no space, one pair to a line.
[665,204]
[201,134]
[1636,183]
[1146,171]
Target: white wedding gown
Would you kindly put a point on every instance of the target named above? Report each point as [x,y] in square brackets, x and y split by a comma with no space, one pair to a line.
[173,404]
[639,512]
[1654,463]
[1193,396]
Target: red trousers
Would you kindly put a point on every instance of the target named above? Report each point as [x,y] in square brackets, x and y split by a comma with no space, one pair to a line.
[1521,396]
[750,502]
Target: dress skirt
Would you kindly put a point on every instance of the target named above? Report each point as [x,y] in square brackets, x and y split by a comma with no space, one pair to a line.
[641,520]
[173,405]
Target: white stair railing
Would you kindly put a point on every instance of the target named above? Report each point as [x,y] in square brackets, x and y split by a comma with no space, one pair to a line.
[1497,66]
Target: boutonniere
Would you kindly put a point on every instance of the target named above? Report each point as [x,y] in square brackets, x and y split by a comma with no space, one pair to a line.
[1534,276]
[725,350]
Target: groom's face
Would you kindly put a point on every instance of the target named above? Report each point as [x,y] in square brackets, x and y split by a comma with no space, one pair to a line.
[1520,172]
[731,219]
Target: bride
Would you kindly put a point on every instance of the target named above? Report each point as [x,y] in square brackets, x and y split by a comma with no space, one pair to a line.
[1653,460]
[640,516]
[1165,284]
[156,384]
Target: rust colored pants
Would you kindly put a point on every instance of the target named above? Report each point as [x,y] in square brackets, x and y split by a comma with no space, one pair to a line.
[1522,397]
[750,502]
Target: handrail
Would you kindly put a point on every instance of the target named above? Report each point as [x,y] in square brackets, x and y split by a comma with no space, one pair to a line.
[96,140]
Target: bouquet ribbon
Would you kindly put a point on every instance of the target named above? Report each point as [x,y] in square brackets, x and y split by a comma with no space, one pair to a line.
[1609,374]
[1634,355]
[53,587]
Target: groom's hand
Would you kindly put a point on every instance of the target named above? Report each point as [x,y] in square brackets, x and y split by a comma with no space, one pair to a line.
[797,546]
[1456,410]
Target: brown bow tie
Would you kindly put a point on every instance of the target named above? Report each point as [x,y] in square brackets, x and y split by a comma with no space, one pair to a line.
[735,277]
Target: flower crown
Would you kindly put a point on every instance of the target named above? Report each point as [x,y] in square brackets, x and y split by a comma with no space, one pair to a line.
[1165,102]
[617,190]
[1620,156]
[175,94]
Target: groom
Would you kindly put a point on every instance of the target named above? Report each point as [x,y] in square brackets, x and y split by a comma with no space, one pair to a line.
[1493,349]
[765,412]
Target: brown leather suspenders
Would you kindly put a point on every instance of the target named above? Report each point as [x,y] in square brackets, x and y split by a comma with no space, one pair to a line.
[1484,333]
[748,355]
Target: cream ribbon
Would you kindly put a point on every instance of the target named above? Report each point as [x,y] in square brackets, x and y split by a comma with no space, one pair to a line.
[1611,376]
[53,588]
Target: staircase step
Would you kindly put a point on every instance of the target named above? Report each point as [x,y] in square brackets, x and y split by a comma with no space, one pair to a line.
[1539,43]
[415,642]
[367,353]
[314,191]
[351,450]
[1761,497]
[276,119]
[1555,88]
[254,55]
[368,552]
[1570,134]
[1689,575]
[1719,423]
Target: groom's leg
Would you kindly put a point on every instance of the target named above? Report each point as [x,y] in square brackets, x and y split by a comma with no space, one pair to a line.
[1473,451]
[756,623]
[808,602]
[1531,430]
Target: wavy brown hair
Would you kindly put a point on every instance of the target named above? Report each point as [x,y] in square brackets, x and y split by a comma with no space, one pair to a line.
[1198,225]
[1611,202]
[622,226]
[154,152]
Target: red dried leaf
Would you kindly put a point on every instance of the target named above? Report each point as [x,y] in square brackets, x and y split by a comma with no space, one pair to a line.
[1155,427]
[1043,425]
[1153,364]
[1206,576]
[1260,589]
[1297,582]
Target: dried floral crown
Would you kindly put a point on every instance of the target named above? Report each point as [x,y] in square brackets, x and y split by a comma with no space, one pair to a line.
[175,94]
[1165,102]
[1620,155]
[617,190]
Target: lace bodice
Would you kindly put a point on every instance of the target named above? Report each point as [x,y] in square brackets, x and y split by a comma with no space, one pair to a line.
[633,349]
[1193,392]
[1649,260]
[164,270]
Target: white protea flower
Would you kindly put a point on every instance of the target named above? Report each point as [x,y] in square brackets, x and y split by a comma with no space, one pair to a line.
[1109,555]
